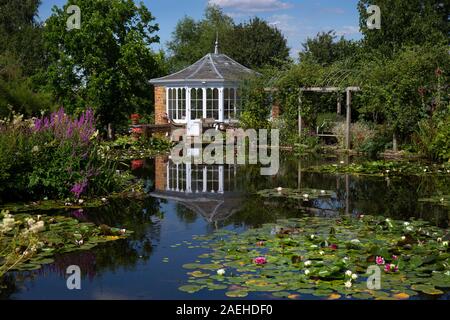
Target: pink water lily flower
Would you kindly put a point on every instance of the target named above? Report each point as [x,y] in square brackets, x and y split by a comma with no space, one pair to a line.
[390,267]
[379,260]
[260,260]
[394,257]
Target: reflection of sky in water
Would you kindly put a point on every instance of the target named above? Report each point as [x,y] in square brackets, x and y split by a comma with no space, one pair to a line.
[135,269]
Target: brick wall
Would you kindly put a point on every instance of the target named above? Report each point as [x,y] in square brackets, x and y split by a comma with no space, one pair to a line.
[160,173]
[276,110]
[160,105]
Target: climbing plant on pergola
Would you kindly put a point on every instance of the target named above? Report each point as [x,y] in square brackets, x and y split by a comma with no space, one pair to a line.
[328,89]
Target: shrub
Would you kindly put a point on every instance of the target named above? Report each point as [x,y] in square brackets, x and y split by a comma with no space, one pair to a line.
[361,133]
[54,156]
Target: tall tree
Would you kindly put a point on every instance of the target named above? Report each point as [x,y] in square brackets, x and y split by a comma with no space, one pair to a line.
[325,50]
[406,22]
[21,33]
[257,44]
[253,43]
[107,63]
[192,39]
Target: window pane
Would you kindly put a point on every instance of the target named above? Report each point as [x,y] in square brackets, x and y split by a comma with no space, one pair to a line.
[196,104]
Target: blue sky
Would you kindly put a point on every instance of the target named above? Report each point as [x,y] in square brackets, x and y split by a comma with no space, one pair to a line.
[297,19]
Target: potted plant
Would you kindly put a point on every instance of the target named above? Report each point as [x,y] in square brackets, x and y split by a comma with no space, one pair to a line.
[135,118]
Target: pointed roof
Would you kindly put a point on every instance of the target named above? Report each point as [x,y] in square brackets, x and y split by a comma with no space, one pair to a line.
[212,67]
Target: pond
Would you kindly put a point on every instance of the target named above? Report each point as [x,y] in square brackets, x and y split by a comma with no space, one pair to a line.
[188,201]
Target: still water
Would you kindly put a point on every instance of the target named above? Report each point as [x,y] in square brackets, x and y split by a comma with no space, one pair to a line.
[187,200]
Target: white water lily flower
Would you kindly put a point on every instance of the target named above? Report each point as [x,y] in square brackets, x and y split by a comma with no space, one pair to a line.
[322,191]
[321,252]
[406,223]
[342,162]
[354,276]
[348,273]
[306,195]
[37,227]
[312,237]
[308,263]
[104,199]
[403,238]
[81,201]
[307,272]
[348,284]
[221,272]
[279,189]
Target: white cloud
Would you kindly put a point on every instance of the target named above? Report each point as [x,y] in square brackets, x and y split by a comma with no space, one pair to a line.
[347,30]
[252,5]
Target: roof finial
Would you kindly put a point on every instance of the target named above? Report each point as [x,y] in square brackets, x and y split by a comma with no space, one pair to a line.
[216,48]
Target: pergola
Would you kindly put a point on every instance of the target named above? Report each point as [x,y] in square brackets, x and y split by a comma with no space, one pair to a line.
[348,92]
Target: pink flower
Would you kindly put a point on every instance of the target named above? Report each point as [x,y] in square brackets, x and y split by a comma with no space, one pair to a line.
[390,268]
[333,246]
[379,260]
[260,260]
[394,257]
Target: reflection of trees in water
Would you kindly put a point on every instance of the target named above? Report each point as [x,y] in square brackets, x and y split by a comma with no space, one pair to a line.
[185,214]
[8,286]
[139,216]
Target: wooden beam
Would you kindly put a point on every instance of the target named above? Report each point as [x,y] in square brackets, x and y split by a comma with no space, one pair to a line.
[329,89]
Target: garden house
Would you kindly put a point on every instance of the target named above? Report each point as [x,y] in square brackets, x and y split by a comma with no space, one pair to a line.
[208,89]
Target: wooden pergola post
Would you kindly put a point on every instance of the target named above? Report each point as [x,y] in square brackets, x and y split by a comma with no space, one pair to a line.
[348,120]
[300,115]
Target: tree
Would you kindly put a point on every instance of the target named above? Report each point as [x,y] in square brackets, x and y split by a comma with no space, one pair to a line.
[107,63]
[21,33]
[325,50]
[254,43]
[401,91]
[406,22]
[192,39]
[257,44]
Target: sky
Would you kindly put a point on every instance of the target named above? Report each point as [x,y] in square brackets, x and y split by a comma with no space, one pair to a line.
[297,19]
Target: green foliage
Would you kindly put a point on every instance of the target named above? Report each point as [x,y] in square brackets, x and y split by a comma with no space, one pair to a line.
[254,43]
[106,64]
[327,258]
[390,87]
[259,44]
[325,50]
[125,148]
[37,164]
[432,139]
[27,244]
[18,93]
[406,23]
[256,105]
[21,34]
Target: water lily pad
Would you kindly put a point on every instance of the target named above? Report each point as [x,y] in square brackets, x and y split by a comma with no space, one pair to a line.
[190,288]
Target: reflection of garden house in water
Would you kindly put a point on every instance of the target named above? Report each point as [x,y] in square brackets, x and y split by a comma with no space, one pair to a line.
[209,190]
